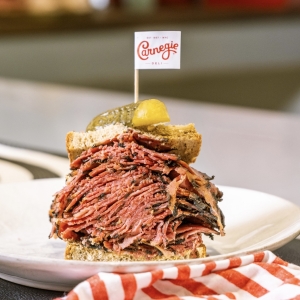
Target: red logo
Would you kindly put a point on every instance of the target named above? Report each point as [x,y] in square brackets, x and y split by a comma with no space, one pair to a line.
[144,50]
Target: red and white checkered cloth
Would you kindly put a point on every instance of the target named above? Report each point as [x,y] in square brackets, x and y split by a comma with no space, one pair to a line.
[260,275]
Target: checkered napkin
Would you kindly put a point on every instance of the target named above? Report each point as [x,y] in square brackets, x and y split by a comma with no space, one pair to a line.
[260,275]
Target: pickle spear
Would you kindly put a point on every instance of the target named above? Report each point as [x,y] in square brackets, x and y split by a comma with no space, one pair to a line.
[141,113]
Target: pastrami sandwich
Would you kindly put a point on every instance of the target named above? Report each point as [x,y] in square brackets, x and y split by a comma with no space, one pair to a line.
[131,195]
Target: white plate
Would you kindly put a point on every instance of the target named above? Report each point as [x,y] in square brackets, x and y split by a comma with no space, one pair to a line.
[13,161]
[11,172]
[254,221]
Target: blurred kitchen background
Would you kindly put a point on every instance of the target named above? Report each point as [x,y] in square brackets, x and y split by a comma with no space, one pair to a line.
[235,52]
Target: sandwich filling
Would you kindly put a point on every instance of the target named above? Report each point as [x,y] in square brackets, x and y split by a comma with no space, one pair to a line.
[129,194]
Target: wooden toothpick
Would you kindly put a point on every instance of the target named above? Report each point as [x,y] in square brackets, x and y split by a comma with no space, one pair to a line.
[136,85]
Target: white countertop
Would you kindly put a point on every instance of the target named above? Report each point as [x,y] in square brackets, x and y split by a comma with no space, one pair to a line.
[245,148]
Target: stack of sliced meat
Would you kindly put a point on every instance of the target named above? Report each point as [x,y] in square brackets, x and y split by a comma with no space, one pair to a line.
[128,194]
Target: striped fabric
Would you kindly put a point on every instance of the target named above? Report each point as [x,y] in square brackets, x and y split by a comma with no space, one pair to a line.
[260,275]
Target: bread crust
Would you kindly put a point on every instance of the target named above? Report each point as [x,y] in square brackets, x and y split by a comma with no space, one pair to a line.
[76,251]
[183,139]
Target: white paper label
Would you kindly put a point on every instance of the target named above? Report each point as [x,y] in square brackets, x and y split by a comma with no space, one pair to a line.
[157,50]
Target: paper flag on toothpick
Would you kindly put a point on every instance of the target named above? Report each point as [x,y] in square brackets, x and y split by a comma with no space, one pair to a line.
[157,50]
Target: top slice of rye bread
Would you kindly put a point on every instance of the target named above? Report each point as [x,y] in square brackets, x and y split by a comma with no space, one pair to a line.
[184,140]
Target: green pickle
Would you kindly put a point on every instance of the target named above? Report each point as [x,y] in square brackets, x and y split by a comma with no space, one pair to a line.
[141,113]
[123,114]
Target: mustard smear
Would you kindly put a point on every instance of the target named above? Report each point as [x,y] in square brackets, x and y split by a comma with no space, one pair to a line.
[150,112]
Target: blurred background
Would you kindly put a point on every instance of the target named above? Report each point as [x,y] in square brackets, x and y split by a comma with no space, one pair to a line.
[235,52]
